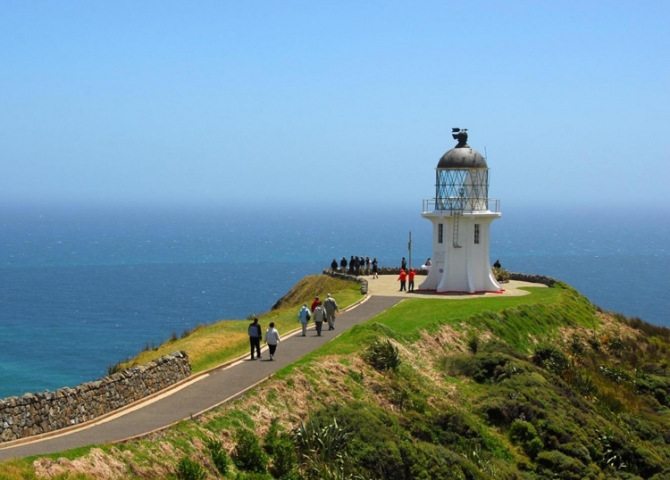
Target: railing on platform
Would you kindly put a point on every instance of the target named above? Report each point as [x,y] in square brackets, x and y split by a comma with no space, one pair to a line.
[461,205]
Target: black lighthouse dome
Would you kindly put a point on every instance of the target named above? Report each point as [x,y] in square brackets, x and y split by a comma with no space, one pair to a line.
[462,156]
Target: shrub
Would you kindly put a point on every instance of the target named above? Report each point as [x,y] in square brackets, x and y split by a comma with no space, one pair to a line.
[218,455]
[555,464]
[616,346]
[550,358]
[426,461]
[523,433]
[248,454]
[576,450]
[282,451]
[473,343]
[327,441]
[500,274]
[594,343]
[485,367]
[254,476]
[324,450]
[577,346]
[188,469]
[533,448]
[580,381]
[504,411]
[382,355]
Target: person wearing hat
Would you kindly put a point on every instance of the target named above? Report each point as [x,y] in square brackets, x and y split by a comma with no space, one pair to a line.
[331,307]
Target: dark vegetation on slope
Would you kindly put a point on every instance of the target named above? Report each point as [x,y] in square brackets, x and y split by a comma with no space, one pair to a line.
[533,391]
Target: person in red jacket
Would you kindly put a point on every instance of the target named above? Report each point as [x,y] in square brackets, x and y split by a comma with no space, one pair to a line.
[410,277]
[315,303]
[403,280]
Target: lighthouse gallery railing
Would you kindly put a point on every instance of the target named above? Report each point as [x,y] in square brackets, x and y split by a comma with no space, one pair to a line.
[461,205]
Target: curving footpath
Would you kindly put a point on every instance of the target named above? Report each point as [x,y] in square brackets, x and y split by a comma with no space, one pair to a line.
[204,391]
[197,394]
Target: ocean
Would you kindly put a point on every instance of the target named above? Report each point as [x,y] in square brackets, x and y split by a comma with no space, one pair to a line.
[83,288]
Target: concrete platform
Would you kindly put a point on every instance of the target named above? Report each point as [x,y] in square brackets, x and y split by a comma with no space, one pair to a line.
[389,285]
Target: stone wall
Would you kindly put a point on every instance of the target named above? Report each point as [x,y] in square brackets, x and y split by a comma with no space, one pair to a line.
[346,276]
[37,413]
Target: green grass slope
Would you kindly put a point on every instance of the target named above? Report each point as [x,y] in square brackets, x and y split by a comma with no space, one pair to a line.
[535,387]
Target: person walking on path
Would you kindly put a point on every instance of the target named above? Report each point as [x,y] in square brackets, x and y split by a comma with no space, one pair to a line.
[315,303]
[255,335]
[319,317]
[374,268]
[410,277]
[272,339]
[403,280]
[331,307]
[303,318]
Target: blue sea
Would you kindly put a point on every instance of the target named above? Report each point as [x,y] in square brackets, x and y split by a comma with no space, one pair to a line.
[83,288]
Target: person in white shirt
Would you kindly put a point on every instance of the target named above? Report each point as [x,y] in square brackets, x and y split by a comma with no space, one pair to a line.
[319,318]
[272,339]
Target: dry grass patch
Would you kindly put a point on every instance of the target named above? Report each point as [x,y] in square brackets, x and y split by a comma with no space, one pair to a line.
[96,464]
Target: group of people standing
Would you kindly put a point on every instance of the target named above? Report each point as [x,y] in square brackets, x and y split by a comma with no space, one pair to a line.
[404,278]
[321,312]
[356,266]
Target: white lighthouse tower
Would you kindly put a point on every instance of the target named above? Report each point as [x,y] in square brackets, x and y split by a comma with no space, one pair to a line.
[461,213]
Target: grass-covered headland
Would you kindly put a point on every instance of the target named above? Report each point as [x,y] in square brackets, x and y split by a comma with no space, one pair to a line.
[541,386]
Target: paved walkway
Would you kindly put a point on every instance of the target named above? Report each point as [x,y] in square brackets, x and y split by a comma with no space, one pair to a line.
[205,391]
[198,394]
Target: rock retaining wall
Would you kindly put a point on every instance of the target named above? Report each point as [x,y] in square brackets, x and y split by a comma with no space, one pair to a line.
[37,413]
[346,276]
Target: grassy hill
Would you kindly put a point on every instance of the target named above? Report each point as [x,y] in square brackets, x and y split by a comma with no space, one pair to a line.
[541,386]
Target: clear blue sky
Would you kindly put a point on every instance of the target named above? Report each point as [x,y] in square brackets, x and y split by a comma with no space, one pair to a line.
[347,102]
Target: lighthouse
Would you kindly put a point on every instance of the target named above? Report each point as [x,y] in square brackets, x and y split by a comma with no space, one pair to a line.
[461,213]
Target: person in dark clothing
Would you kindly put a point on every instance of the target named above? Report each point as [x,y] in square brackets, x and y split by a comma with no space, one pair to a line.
[255,335]
[374,268]
[497,264]
[351,264]
[357,266]
[333,265]
[403,264]
[343,264]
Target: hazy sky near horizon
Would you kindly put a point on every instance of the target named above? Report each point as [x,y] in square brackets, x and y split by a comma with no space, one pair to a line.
[347,103]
